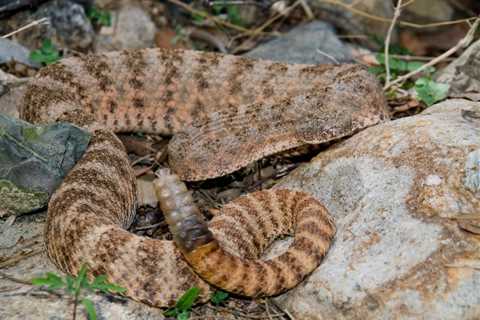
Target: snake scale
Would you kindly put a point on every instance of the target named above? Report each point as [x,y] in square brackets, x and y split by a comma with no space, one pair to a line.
[223,112]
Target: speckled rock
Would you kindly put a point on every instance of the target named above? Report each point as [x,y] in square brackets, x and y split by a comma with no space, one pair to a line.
[69,26]
[33,161]
[22,257]
[400,193]
[312,43]
[12,51]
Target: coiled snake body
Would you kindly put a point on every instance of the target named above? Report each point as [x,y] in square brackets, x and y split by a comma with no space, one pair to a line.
[223,112]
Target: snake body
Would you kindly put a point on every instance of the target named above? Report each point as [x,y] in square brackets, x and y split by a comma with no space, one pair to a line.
[223,112]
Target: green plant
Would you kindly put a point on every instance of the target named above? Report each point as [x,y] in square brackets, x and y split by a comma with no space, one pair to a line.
[184,305]
[232,11]
[46,54]
[430,91]
[99,16]
[397,66]
[218,297]
[74,286]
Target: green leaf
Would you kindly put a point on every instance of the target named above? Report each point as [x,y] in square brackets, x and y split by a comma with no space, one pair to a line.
[376,70]
[51,280]
[46,54]
[233,14]
[402,66]
[101,283]
[99,16]
[430,91]
[184,315]
[70,284]
[172,312]
[219,296]
[217,8]
[187,299]
[90,308]
[198,18]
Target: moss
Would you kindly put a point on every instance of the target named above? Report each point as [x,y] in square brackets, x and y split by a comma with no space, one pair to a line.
[17,200]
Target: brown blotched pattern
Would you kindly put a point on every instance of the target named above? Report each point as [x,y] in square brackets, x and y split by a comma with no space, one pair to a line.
[223,112]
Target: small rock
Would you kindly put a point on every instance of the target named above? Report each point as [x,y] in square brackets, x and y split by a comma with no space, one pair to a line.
[353,23]
[69,27]
[132,28]
[397,192]
[12,51]
[463,74]
[432,11]
[33,161]
[312,43]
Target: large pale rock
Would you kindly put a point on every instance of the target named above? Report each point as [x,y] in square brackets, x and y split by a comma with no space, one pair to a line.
[33,161]
[132,28]
[312,43]
[398,192]
[344,14]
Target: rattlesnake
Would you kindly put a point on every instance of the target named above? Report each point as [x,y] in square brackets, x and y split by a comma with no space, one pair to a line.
[223,112]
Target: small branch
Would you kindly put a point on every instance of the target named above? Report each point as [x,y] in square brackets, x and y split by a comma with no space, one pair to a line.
[28,26]
[396,15]
[307,9]
[461,44]
[75,302]
[386,20]
[415,58]
[328,56]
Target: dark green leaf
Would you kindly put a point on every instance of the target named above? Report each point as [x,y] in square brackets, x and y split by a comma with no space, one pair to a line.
[70,284]
[101,283]
[217,9]
[51,280]
[219,296]
[47,46]
[184,315]
[198,18]
[46,54]
[81,280]
[172,312]
[376,70]
[402,66]
[234,15]
[187,299]
[102,17]
[90,308]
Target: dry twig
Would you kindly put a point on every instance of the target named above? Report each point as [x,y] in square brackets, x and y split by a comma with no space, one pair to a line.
[28,26]
[463,43]
[356,11]
[396,15]
[307,9]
